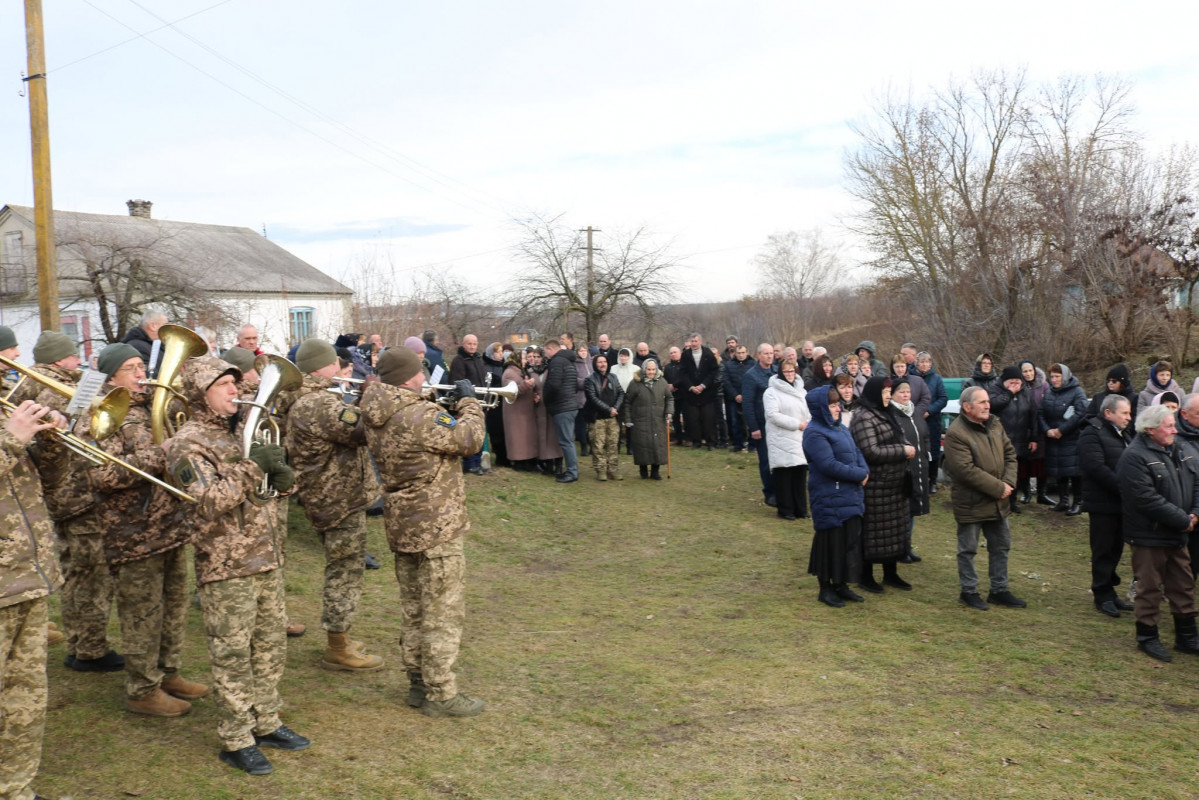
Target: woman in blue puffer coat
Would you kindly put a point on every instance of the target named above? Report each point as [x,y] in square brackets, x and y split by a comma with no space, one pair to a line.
[1063,412]
[836,474]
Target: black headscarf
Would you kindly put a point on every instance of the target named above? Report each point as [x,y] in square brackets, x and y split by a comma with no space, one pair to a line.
[872,399]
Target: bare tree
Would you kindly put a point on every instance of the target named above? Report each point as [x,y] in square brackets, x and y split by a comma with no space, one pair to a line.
[555,279]
[798,267]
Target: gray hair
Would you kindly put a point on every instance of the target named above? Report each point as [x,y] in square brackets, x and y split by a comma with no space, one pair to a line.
[151,315]
[1112,402]
[694,335]
[208,335]
[969,393]
[909,346]
[924,355]
[1152,417]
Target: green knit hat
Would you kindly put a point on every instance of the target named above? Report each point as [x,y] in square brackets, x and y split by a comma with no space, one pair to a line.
[53,346]
[315,354]
[239,357]
[114,357]
[397,364]
[7,337]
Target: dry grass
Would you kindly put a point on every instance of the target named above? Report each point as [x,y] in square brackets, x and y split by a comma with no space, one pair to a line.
[646,639]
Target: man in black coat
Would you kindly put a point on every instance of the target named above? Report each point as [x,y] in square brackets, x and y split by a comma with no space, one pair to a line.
[672,371]
[697,385]
[561,400]
[1017,411]
[433,353]
[1159,493]
[753,386]
[1103,440]
[642,353]
[468,366]
[143,337]
[734,371]
[606,350]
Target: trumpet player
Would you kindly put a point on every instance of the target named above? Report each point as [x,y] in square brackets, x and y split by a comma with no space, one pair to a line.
[144,537]
[334,475]
[239,561]
[87,593]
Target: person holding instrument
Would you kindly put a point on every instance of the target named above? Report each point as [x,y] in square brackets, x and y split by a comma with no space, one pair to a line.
[239,560]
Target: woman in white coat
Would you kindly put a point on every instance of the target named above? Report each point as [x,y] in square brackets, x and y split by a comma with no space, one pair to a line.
[787,414]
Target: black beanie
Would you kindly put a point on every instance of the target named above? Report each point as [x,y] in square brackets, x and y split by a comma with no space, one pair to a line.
[1011,373]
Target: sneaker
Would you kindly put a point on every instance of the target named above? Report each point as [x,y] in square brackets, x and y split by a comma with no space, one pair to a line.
[457,706]
[249,760]
[1005,598]
[109,662]
[972,600]
[283,738]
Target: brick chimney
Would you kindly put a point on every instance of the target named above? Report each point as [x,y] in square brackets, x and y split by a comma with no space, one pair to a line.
[139,208]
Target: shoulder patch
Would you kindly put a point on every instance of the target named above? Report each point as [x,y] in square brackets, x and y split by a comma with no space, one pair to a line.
[185,473]
[446,420]
[349,416]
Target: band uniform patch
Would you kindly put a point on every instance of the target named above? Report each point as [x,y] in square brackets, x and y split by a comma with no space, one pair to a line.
[445,420]
[185,474]
[349,416]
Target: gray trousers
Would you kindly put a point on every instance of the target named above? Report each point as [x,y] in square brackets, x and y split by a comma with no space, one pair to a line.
[999,541]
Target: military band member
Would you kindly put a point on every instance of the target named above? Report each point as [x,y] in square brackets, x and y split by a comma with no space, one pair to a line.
[239,560]
[28,574]
[144,537]
[417,446]
[326,441]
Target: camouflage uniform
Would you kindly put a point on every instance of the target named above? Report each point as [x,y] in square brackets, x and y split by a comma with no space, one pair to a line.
[604,434]
[88,591]
[335,477]
[417,446]
[28,573]
[147,557]
[238,564]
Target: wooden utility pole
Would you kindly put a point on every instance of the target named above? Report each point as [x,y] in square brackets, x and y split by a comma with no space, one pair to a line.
[590,280]
[43,201]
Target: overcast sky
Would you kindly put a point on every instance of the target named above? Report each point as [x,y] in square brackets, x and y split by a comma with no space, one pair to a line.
[410,134]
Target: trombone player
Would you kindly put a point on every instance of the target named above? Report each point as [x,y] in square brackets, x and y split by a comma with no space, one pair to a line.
[144,538]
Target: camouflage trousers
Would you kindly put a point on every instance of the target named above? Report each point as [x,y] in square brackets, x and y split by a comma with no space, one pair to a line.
[345,563]
[245,620]
[605,440]
[152,600]
[433,609]
[22,695]
[88,586]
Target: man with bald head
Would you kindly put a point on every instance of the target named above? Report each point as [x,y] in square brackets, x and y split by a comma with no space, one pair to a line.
[753,386]
[247,339]
[642,353]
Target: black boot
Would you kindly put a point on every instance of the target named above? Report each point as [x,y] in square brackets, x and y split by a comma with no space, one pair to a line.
[845,593]
[653,472]
[1063,501]
[1042,498]
[1076,493]
[891,577]
[829,597]
[1075,509]
[867,581]
[1016,506]
[1186,634]
[644,471]
[1149,644]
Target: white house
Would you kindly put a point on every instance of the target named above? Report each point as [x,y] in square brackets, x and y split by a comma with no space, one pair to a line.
[250,278]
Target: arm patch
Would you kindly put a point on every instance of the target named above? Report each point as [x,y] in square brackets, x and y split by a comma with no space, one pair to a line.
[185,473]
[446,420]
[349,416]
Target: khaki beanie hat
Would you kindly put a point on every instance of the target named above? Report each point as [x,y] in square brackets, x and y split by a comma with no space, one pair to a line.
[7,337]
[239,357]
[53,346]
[315,354]
[397,364]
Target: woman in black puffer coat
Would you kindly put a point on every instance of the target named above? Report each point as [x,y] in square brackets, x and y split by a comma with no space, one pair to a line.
[1063,412]
[887,521]
[903,407]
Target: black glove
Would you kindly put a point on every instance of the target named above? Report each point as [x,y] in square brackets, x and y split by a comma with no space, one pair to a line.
[464,388]
[268,457]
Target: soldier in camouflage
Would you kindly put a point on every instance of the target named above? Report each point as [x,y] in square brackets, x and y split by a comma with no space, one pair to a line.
[28,574]
[326,441]
[87,594]
[417,446]
[239,563]
[148,558]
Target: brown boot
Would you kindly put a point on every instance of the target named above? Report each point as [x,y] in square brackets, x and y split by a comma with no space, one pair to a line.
[179,686]
[53,634]
[615,476]
[158,704]
[599,476]
[341,655]
[295,629]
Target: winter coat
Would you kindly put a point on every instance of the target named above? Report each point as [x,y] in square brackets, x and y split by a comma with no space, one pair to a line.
[603,394]
[1066,410]
[64,473]
[647,404]
[786,415]
[1119,372]
[141,342]
[559,394]
[702,374]
[836,468]
[611,354]
[886,523]
[639,359]
[547,435]
[495,369]
[520,421]
[877,367]
[916,435]
[734,373]
[979,459]
[583,370]
[984,379]
[435,356]
[625,373]
[938,399]
[1159,489]
[1153,388]
[1039,385]
[753,386]
[921,396]
[1100,446]
[28,568]
[469,367]
[1018,413]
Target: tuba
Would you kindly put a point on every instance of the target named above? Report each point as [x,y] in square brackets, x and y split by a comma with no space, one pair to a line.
[178,345]
[276,375]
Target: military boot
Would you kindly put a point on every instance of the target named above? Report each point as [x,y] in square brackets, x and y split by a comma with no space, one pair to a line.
[1186,634]
[457,706]
[158,704]
[614,475]
[341,655]
[1149,644]
[53,634]
[600,476]
[416,690]
[179,686]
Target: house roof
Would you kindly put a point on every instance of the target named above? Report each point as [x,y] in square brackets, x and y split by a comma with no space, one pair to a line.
[219,258]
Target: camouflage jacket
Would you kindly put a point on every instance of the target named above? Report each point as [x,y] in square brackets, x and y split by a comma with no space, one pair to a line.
[326,441]
[232,536]
[28,569]
[30,389]
[64,472]
[124,498]
[418,447]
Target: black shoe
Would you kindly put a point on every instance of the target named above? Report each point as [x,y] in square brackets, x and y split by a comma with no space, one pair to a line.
[1016,508]
[1149,644]
[1005,598]
[1042,500]
[932,488]
[1074,510]
[1121,604]
[1108,607]
[283,738]
[790,517]
[871,585]
[1186,635]
[972,600]
[830,598]
[911,558]
[896,582]
[375,509]
[372,562]
[564,478]
[770,501]
[109,662]
[845,593]
[1025,498]
[655,476]
[644,471]
[68,661]
[1062,504]
[248,759]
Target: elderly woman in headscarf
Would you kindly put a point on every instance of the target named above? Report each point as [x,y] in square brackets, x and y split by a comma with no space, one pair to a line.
[1062,414]
[648,408]
[985,374]
[905,411]
[1161,379]
[520,419]
[887,521]
[417,345]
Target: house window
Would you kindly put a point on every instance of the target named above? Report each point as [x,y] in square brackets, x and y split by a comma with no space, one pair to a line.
[12,264]
[301,324]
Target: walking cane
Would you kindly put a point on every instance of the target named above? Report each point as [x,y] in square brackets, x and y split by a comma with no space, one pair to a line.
[668,449]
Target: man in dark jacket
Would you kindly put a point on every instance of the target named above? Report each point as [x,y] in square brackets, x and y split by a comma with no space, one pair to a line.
[940,398]
[469,366]
[1102,442]
[1159,490]
[606,350]
[734,371]
[673,373]
[642,352]
[1119,381]
[981,462]
[1017,410]
[753,386]
[698,387]
[143,337]
[561,402]
[866,352]
[433,353]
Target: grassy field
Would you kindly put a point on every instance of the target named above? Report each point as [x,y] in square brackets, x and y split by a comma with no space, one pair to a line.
[651,639]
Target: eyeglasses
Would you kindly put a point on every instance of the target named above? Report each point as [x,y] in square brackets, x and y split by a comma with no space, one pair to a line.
[131,369]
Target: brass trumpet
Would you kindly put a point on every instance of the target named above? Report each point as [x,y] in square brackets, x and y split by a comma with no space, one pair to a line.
[347,387]
[488,397]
